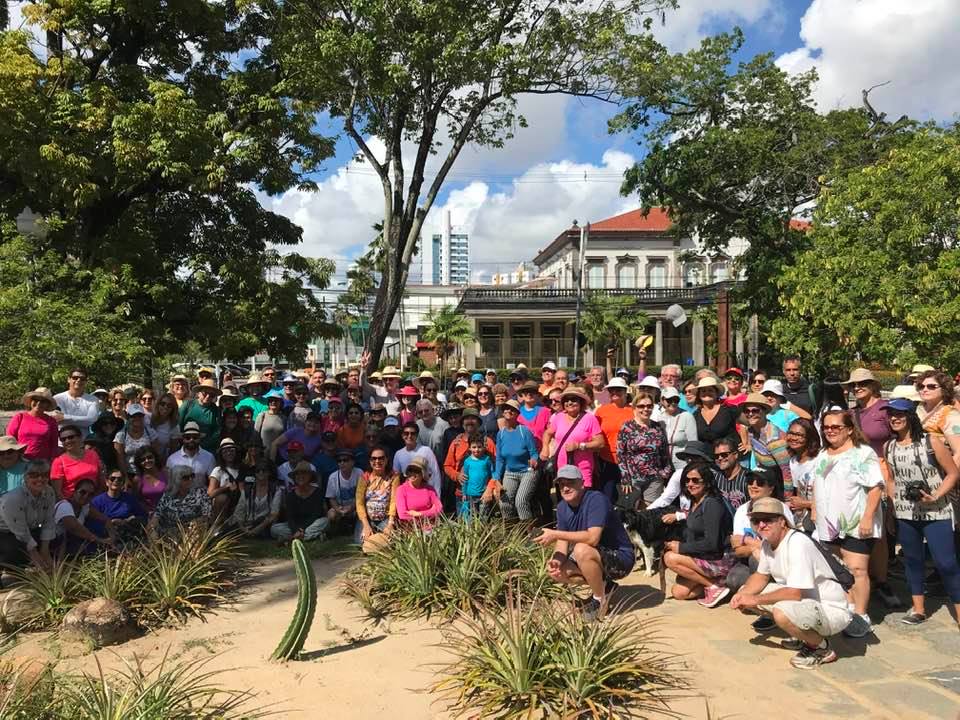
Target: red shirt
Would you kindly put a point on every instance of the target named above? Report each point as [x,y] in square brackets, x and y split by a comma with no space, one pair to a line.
[70,471]
[611,420]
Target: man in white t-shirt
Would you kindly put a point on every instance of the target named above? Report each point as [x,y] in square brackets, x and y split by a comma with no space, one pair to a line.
[410,432]
[201,461]
[795,584]
[74,405]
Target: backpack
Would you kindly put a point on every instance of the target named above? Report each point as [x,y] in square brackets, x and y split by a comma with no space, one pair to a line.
[841,573]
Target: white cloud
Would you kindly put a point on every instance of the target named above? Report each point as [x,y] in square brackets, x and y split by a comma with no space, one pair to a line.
[855,45]
[693,20]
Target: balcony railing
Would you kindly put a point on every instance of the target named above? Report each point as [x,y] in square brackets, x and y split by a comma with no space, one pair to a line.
[495,295]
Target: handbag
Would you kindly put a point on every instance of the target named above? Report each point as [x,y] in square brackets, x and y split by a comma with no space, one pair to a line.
[548,468]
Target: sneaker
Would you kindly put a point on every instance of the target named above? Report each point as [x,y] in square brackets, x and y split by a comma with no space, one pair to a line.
[913,618]
[886,594]
[763,624]
[609,587]
[791,644]
[593,610]
[808,658]
[860,626]
[713,596]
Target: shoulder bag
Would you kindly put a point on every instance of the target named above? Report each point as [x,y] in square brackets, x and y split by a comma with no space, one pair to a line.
[548,468]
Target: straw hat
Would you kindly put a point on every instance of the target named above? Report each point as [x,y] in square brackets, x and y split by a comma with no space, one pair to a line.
[229,390]
[708,382]
[390,372]
[757,400]
[9,443]
[43,395]
[208,386]
[375,375]
[425,375]
[511,404]
[905,392]
[574,391]
[256,379]
[859,375]
[418,463]
[920,369]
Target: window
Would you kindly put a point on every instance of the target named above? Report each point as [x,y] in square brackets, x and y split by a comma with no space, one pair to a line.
[657,274]
[721,271]
[627,276]
[595,277]
[693,275]
[491,338]
[520,335]
[551,330]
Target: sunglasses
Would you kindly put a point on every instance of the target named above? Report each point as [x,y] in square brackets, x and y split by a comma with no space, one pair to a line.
[758,481]
[555,402]
[115,478]
[834,428]
[78,378]
[378,458]
[758,520]
[722,455]
[753,411]
[759,382]
[344,459]
[929,386]
[673,401]
[694,481]
[644,406]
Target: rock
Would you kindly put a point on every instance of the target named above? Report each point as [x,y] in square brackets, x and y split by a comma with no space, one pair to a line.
[100,621]
[16,609]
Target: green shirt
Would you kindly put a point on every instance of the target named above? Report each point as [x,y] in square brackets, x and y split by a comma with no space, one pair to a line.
[208,418]
[258,404]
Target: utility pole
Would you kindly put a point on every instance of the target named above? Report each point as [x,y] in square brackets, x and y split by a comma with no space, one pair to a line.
[584,237]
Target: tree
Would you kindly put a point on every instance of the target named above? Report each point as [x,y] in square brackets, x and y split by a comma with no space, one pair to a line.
[430,77]
[740,154]
[610,320]
[138,134]
[881,276]
[54,315]
[447,329]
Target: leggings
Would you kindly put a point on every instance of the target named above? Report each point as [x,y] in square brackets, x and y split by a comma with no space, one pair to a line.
[518,491]
[939,535]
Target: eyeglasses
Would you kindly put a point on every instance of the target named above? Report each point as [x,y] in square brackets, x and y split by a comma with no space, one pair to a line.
[644,406]
[758,520]
[758,481]
[78,378]
[694,481]
[378,458]
[833,428]
[672,401]
[796,435]
[752,411]
[115,478]
[722,455]
[928,386]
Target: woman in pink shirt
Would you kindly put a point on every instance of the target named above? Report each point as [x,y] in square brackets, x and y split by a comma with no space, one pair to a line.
[417,501]
[535,416]
[34,428]
[585,439]
[76,463]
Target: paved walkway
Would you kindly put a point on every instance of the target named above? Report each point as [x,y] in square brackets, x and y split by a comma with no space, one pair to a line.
[898,672]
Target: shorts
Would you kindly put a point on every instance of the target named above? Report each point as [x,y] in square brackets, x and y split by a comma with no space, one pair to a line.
[716,569]
[825,620]
[860,546]
[613,566]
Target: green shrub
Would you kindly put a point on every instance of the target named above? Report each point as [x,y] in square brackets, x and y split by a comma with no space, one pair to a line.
[539,658]
[460,566]
[50,592]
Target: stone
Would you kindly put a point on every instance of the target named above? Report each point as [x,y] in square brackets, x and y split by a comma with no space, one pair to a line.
[16,609]
[100,621]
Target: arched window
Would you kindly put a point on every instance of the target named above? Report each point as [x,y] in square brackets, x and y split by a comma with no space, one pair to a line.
[627,276]
[595,276]
[657,275]
[720,271]
[693,275]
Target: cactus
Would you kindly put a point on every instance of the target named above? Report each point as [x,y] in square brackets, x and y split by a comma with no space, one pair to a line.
[292,642]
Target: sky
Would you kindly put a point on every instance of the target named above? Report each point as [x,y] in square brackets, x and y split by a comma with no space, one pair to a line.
[566,166]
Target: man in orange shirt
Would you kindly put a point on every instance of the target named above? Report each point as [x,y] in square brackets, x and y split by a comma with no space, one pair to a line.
[612,416]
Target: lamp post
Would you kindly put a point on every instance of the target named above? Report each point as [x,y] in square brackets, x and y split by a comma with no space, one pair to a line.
[584,237]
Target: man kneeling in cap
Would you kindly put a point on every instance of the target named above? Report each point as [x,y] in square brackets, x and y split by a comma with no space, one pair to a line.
[590,543]
[795,584]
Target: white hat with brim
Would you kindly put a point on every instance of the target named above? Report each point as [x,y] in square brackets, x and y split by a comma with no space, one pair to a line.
[425,375]
[617,383]
[43,395]
[649,382]
[708,382]
[921,368]
[670,392]
[191,428]
[390,372]
[207,386]
[905,392]
[859,375]
[8,443]
[774,387]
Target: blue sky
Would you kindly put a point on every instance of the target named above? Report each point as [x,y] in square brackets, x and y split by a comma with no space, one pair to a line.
[516,200]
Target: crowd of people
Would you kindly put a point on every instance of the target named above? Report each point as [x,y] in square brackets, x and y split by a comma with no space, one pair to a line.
[789,499]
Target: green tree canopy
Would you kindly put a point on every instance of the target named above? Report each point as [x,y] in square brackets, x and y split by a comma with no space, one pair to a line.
[138,134]
[881,280]
[610,320]
[430,77]
[447,329]
[739,153]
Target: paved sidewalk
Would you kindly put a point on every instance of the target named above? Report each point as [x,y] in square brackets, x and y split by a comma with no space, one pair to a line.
[897,672]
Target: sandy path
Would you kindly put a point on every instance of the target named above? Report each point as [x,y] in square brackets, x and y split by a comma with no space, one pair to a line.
[363,673]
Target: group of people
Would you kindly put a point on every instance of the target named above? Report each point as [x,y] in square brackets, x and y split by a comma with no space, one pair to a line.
[712,477]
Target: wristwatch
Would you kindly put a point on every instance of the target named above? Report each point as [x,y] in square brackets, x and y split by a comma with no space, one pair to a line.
[582,446]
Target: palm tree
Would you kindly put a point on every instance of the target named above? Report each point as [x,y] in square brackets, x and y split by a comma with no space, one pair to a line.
[447,330]
[608,321]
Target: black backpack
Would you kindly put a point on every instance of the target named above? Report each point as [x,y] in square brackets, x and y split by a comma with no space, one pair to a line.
[841,573]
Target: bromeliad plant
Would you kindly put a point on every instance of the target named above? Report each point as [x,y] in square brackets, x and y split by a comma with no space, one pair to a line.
[539,658]
[292,642]
[460,566]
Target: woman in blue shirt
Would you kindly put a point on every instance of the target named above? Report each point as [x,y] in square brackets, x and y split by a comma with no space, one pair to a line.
[517,457]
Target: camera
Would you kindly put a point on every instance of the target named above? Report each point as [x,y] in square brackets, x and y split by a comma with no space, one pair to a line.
[914,489]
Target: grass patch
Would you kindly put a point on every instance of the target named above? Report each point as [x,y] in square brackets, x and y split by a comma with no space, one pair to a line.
[461,566]
[539,658]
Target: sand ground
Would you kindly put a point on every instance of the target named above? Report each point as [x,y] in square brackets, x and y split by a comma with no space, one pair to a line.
[356,671]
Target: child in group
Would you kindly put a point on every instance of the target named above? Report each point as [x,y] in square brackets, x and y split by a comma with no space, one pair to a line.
[285,471]
[477,473]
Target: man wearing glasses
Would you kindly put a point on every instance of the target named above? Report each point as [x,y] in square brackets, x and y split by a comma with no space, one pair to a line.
[796,585]
[27,524]
[74,405]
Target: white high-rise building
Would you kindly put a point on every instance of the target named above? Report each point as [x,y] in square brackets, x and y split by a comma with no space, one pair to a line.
[445,260]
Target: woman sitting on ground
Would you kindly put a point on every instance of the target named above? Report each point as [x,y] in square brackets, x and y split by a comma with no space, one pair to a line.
[260,502]
[73,537]
[702,559]
[123,508]
[377,496]
[417,501]
[304,508]
[182,504]
[225,481]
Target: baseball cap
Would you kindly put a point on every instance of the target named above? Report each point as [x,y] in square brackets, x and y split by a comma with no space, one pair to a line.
[549,365]
[476,377]
[295,446]
[768,506]
[670,392]
[461,384]
[569,472]
[391,422]
[900,405]
[733,371]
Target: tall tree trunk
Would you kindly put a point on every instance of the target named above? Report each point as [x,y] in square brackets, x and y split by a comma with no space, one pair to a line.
[389,294]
